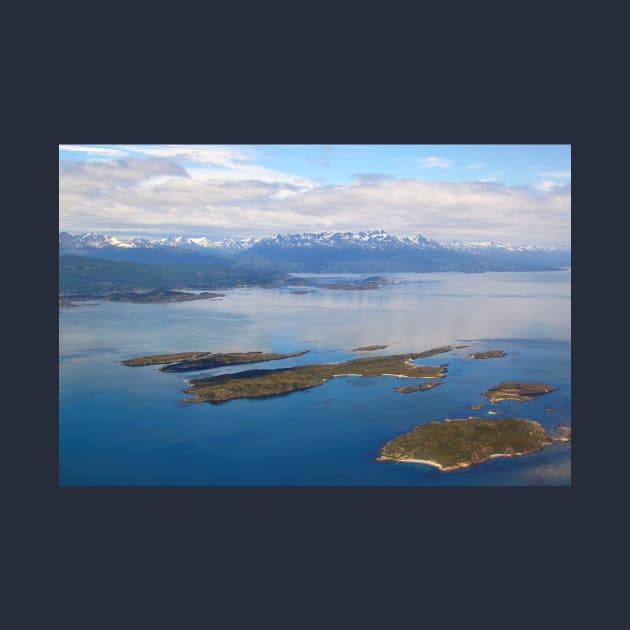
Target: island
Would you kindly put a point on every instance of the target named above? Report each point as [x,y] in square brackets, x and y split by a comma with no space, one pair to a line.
[408,389]
[368,348]
[299,292]
[274,382]
[460,443]
[476,407]
[139,296]
[190,361]
[488,354]
[512,390]
[373,282]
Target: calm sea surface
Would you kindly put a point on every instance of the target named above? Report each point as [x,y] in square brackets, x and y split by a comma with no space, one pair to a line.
[127,426]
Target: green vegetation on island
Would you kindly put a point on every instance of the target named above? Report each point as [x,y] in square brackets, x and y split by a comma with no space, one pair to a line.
[264,383]
[189,361]
[488,354]
[408,389]
[368,348]
[512,390]
[459,443]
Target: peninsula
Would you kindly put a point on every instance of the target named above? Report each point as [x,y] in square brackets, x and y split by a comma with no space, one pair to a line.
[189,361]
[265,383]
[512,390]
[459,443]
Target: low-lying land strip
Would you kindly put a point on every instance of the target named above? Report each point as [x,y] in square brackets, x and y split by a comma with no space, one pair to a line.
[459,443]
[373,282]
[368,348]
[151,296]
[264,383]
[408,389]
[189,361]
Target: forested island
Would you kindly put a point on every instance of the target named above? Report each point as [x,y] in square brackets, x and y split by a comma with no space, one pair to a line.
[488,354]
[459,443]
[513,390]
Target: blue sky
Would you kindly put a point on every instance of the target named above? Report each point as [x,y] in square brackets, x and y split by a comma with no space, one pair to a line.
[509,193]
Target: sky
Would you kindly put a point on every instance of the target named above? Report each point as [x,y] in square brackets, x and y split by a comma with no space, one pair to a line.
[518,194]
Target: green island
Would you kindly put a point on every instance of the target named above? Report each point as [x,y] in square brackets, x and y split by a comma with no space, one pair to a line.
[373,282]
[459,443]
[512,390]
[368,348]
[488,354]
[408,389]
[189,361]
[274,382]
[151,296]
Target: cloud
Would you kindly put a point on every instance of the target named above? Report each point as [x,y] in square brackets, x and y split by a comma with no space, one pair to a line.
[435,162]
[560,174]
[157,195]
[204,162]
[476,165]
[225,156]
[547,185]
[92,150]
[371,178]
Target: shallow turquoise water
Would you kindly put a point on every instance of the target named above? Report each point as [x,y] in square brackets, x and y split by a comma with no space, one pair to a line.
[128,426]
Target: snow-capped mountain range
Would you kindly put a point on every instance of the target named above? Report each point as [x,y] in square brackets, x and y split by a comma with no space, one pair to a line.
[95,240]
[372,250]
[372,239]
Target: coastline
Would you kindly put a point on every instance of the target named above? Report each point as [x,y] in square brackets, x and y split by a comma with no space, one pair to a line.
[429,462]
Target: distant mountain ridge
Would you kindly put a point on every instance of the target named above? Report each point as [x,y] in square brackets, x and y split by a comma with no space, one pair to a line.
[365,251]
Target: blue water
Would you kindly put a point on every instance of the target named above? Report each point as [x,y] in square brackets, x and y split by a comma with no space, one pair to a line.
[128,426]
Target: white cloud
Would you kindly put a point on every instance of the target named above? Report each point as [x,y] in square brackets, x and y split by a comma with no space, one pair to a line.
[476,165]
[157,195]
[82,148]
[203,154]
[547,185]
[224,163]
[435,162]
[560,174]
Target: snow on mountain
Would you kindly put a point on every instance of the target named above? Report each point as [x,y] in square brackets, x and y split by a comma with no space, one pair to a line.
[372,239]
[95,240]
